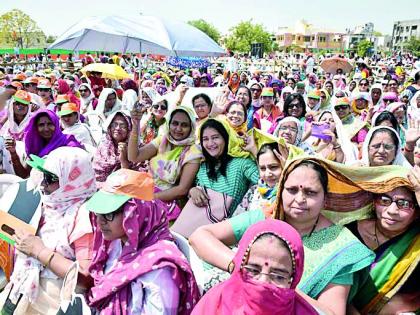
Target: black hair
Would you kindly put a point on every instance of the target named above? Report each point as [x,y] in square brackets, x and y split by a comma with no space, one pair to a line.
[210,161]
[387,116]
[228,106]
[290,99]
[268,147]
[320,170]
[390,133]
[179,110]
[291,79]
[417,77]
[205,97]
[249,94]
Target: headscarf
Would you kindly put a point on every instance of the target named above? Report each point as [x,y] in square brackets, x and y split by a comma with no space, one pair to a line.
[11,128]
[233,86]
[85,101]
[64,88]
[59,209]
[413,110]
[240,295]
[129,99]
[149,247]
[151,92]
[325,104]
[100,108]
[399,157]
[361,112]
[107,159]
[34,144]
[298,141]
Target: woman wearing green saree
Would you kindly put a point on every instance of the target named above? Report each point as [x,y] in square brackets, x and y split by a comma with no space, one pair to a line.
[394,235]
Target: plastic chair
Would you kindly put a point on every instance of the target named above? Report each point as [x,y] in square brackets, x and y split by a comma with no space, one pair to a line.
[195,262]
[7,180]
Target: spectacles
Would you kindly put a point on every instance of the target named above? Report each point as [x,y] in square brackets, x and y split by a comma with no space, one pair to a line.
[43,90]
[285,128]
[387,146]
[162,107]
[341,107]
[236,113]
[275,278]
[393,84]
[109,217]
[50,178]
[388,101]
[297,105]
[363,84]
[120,126]
[83,90]
[386,201]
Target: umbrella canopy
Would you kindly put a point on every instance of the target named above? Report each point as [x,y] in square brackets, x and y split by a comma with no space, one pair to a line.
[331,65]
[109,71]
[144,34]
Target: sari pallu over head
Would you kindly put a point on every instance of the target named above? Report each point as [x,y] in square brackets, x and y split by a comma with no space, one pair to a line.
[34,144]
[11,128]
[241,295]
[59,211]
[349,198]
[149,247]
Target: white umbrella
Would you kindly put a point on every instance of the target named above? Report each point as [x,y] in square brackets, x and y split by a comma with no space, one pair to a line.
[144,34]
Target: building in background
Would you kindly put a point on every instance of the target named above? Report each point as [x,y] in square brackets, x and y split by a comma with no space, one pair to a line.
[403,31]
[305,36]
[366,32]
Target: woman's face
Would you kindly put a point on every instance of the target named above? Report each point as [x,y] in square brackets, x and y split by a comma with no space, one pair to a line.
[352,86]
[376,94]
[44,93]
[318,85]
[242,96]
[312,102]
[265,80]
[391,218]
[213,142]
[256,91]
[145,98]
[119,129]
[111,225]
[400,115]
[270,261]
[235,78]
[159,110]
[382,150]
[49,184]
[236,115]
[84,92]
[361,103]
[363,86]
[110,101]
[328,118]
[288,130]
[45,127]
[201,108]
[303,196]
[267,101]
[329,87]
[393,86]
[20,109]
[180,126]
[204,82]
[342,110]
[291,84]
[295,109]
[270,168]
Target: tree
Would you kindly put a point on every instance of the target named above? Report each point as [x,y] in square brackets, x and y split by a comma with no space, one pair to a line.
[364,47]
[246,33]
[51,39]
[19,30]
[413,46]
[207,28]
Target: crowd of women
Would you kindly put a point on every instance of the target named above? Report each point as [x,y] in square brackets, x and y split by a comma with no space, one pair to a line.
[298,192]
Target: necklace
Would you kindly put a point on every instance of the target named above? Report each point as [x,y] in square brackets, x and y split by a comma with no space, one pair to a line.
[314,227]
[376,237]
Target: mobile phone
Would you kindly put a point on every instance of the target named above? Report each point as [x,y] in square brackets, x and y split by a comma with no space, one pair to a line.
[318,131]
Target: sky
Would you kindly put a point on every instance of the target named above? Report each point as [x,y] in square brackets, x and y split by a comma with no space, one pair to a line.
[55,17]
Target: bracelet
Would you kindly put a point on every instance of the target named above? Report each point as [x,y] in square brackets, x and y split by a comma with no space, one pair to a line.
[39,254]
[408,150]
[231,266]
[50,257]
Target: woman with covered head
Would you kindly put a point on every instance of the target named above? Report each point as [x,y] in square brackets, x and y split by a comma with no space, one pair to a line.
[42,136]
[174,156]
[291,129]
[303,192]
[64,235]
[137,268]
[129,97]
[266,271]
[112,150]
[88,101]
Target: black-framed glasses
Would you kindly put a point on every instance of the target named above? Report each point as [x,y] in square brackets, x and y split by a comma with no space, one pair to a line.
[388,101]
[297,105]
[43,89]
[341,107]
[162,107]
[109,217]
[50,178]
[386,201]
[83,90]
[387,146]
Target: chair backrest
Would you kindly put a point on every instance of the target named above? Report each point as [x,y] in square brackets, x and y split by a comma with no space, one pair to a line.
[195,262]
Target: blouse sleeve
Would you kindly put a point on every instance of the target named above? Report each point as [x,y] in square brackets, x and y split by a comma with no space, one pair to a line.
[242,222]
[250,171]
[155,293]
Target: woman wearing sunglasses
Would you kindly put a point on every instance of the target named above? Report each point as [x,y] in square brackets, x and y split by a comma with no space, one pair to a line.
[152,124]
[64,235]
[393,234]
[88,101]
[136,263]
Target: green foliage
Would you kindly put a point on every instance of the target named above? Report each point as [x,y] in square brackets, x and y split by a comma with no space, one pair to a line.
[207,28]
[363,47]
[51,39]
[413,46]
[245,33]
[17,29]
